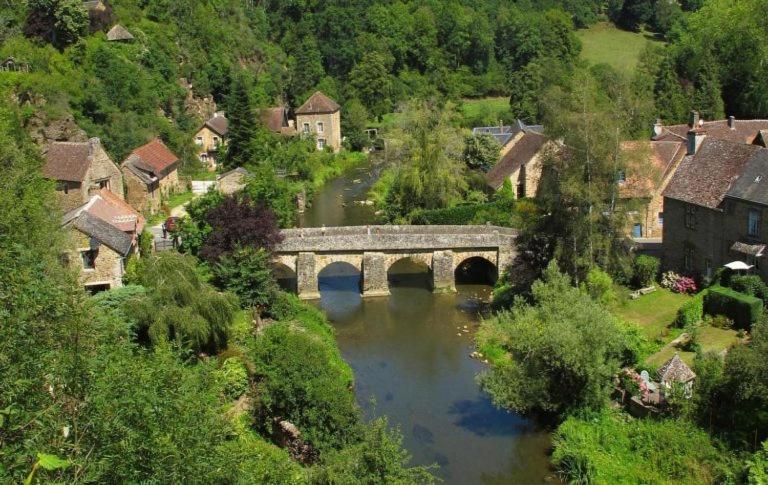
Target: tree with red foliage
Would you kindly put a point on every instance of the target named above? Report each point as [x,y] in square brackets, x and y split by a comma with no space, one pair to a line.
[239,222]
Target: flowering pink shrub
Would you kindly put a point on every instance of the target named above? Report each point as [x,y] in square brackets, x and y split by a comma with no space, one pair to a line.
[685,284]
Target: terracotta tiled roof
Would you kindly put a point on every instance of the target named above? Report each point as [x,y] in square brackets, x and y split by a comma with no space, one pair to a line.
[111,209]
[154,157]
[218,124]
[522,152]
[675,370]
[67,161]
[646,176]
[318,103]
[744,131]
[705,178]
[275,119]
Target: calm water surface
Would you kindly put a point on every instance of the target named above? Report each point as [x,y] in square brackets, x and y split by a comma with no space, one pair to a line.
[410,354]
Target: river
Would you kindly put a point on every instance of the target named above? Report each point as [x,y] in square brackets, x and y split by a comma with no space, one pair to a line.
[410,353]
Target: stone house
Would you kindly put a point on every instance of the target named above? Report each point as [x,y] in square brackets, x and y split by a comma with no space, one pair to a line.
[521,164]
[210,137]
[675,371]
[649,166]
[151,174]
[277,121]
[507,136]
[80,170]
[714,207]
[230,182]
[320,116]
[104,234]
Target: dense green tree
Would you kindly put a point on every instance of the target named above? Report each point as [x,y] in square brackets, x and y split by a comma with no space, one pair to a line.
[247,273]
[671,101]
[559,353]
[371,83]
[481,152]
[707,98]
[306,69]
[354,121]
[242,125]
[60,22]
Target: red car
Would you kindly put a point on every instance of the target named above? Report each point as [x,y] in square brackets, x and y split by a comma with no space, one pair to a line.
[171,223]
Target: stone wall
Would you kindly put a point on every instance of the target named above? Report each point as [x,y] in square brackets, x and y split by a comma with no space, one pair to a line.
[231,183]
[706,239]
[170,183]
[103,169]
[141,197]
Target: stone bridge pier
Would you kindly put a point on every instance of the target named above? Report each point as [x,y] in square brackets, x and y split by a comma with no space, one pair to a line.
[373,252]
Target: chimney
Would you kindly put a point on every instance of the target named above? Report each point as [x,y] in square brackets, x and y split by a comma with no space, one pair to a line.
[93,144]
[693,121]
[732,122]
[658,129]
[695,138]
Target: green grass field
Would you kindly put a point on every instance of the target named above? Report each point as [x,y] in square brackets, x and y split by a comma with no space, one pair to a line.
[710,339]
[604,43]
[654,312]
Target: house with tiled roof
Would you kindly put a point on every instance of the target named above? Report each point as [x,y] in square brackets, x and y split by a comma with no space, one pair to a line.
[520,164]
[507,135]
[151,174]
[210,138]
[79,170]
[104,234]
[648,166]
[320,116]
[715,203]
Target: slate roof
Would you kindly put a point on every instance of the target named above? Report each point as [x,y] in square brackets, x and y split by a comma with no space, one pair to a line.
[67,161]
[744,131]
[752,184]
[103,232]
[118,32]
[707,177]
[219,124]
[675,370]
[275,119]
[318,103]
[756,250]
[503,134]
[154,157]
[643,180]
[240,170]
[522,152]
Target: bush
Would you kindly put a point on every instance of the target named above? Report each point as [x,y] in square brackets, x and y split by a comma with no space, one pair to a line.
[645,269]
[743,309]
[599,286]
[145,242]
[500,213]
[233,377]
[751,285]
[691,312]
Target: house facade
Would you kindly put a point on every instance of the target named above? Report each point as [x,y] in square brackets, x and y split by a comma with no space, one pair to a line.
[151,174]
[715,207]
[320,116]
[80,170]
[521,164]
[210,138]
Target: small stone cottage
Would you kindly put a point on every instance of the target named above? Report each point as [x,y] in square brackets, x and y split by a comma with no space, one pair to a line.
[320,116]
[675,371]
[210,138]
[230,182]
[521,165]
[151,173]
[104,234]
[80,170]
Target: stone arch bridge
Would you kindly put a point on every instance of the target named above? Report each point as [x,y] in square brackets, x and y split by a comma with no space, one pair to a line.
[372,250]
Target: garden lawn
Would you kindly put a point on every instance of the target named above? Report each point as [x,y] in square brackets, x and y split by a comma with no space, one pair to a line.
[653,312]
[710,339]
[604,43]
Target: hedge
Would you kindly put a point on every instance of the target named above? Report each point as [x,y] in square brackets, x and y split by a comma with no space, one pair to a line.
[743,309]
[692,312]
[496,212]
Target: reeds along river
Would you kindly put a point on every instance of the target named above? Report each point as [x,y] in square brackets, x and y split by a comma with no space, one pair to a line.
[411,355]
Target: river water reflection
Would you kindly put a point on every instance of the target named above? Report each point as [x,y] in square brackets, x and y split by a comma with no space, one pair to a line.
[410,354]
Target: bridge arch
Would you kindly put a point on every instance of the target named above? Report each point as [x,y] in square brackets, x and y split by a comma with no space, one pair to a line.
[339,275]
[285,276]
[413,271]
[476,269]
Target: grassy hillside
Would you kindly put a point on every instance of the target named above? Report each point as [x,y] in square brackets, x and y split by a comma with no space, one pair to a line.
[604,43]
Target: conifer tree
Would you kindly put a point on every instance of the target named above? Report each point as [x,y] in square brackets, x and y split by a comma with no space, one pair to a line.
[708,98]
[242,125]
[671,103]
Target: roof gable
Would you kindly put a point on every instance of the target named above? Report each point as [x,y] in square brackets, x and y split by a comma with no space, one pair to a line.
[521,153]
[118,32]
[154,157]
[219,124]
[67,161]
[318,103]
[103,232]
[675,370]
[648,175]
[275,119]
[705,178]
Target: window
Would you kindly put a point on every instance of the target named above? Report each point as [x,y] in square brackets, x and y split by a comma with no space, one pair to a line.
[637,230]
[689,254]
[89,259]
[199,141]
[621,177]
[216,142]
[661,218]
[63,186]
[306,127]
[320,143]
[753,225]
[320,127]
[690,216]
[708,268]
[104,184]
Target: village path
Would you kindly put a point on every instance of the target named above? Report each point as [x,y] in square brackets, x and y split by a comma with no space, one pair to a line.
[157,230]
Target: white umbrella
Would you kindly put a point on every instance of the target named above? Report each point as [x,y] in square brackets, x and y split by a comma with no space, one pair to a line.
[738,265]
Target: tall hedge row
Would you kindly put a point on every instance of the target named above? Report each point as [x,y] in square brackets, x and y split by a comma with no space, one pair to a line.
[743,309]
[692,312]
